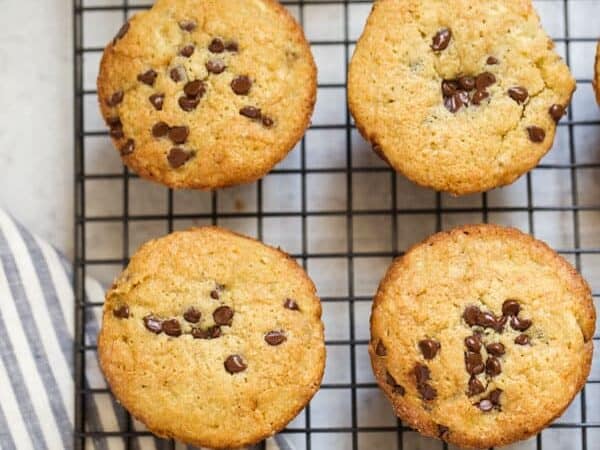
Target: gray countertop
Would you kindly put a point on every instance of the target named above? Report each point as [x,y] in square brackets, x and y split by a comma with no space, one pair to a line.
[36,117]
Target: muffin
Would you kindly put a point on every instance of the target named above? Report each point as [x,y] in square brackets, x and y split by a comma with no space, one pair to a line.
[212,338]
[481,336]
[207,93]
[459,96]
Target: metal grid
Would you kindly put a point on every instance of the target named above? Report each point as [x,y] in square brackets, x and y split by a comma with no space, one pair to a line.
[540,205]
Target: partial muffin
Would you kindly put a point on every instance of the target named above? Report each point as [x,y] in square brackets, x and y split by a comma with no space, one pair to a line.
[596,81]
[459,96]
[212,338]
[207,93]
[481,336]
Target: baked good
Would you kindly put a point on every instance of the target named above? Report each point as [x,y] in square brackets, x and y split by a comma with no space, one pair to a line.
[207,93]
[459,96]
[596,80]
[212,338]
[481,336]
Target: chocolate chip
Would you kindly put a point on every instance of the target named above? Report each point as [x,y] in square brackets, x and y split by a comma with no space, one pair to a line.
[215,66]
[187,51]
[556,111]
[500,323]
[209,333]
[117,133]
[192,315]
[536,134]
[449,88]
[216,46]
[476,387]
[199,333]
[178,135]
[471,315]
[122,32]
[421,373]
[443,431]
[122,312]
[116,127]
[177,157]
[494,396]
[188,104]
[114,122]
[491,401]
[451,104]
[485,79]
[148,77]
[231,46]
[153,323]
[251,112]
[511,308]
[493,367]
[429,348]
[389,379]
[235,364]
[188,25]
[441,39]
[157,101]
[115,99]
[495,348]
[479,96]
[214,294]
[291,304]
[195,88]
[160,129]
[474,363]
[489,320]
[492,60]
[518,93]
[223,315]
[519,324]
[485,405]
[396,388]
[275,338]
[177,74]
[486,319]
[399,389]
[241,85]
[473,343]
[463,96]
[267,121]
[455,102]
[467,83]
[171,327]
[427,391]
[128,147]
[380,349]
[522,339]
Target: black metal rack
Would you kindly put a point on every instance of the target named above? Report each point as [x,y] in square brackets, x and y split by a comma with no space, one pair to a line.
[586,432]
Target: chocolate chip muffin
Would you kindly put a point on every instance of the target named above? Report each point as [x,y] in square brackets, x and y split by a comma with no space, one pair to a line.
[459,96]
[481,336]
[212,338]
[207,93]
[596,80]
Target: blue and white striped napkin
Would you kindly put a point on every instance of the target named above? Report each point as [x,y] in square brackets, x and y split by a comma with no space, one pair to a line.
[36,353]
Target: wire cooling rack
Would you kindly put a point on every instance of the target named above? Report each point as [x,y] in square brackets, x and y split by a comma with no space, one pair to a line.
[342,213]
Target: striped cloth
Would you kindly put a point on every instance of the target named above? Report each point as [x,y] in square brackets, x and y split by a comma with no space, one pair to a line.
[36,353]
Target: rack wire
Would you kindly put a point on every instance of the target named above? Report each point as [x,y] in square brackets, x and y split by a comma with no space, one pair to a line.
[559,193]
